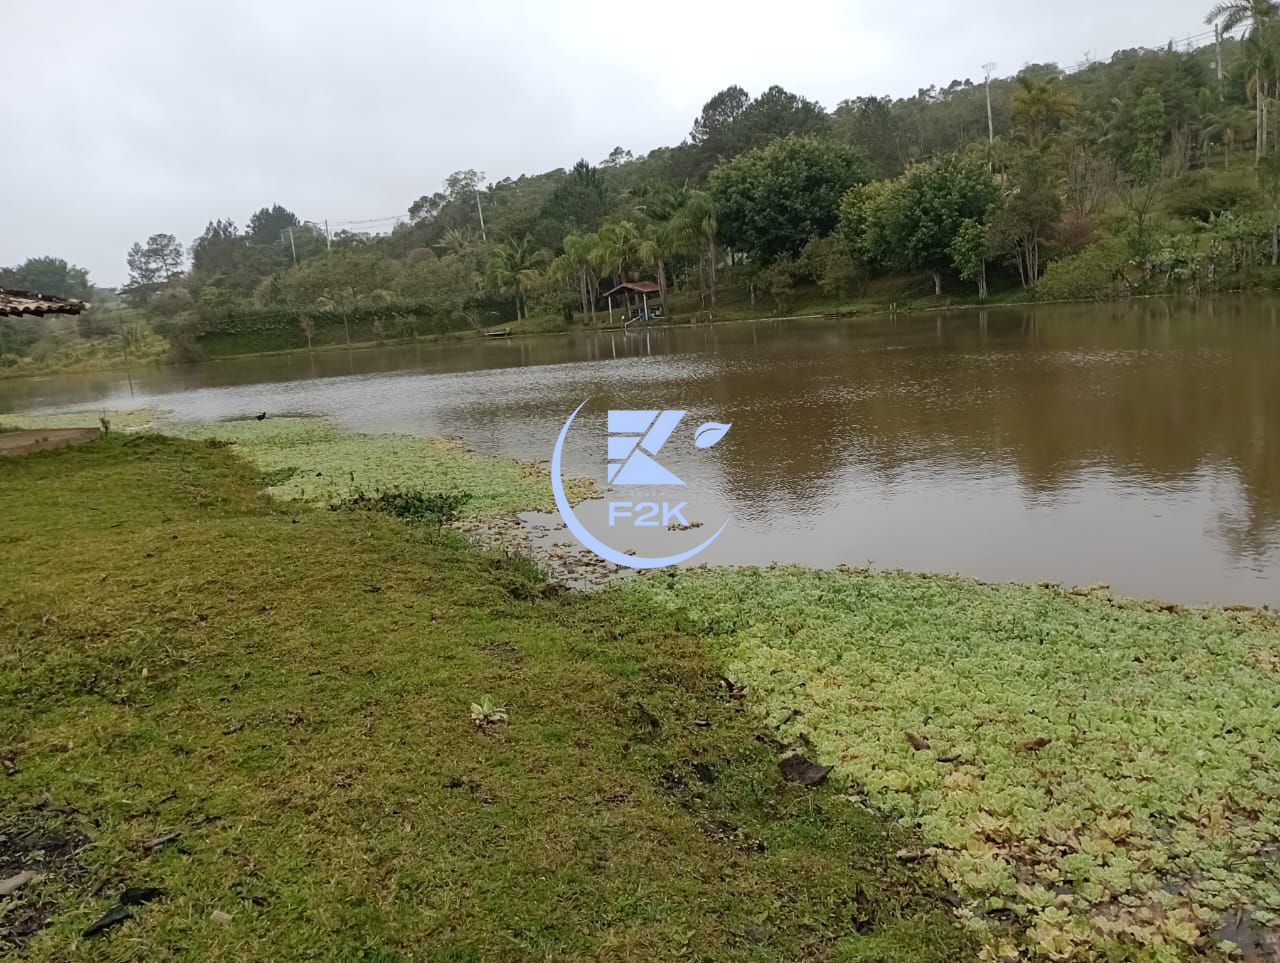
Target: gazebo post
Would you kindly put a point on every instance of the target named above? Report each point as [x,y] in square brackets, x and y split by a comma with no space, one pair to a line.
[645,295]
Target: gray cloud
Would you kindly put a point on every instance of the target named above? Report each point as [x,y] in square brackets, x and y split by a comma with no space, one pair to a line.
[161,116]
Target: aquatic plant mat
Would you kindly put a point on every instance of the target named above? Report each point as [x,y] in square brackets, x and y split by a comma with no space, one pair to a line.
[1102,774]
[264,730]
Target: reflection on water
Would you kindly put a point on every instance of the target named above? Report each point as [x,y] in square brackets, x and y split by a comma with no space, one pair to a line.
[1127,444]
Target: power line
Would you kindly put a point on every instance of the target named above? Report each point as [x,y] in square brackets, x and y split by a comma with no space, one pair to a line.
[1187,42]
[1203,38]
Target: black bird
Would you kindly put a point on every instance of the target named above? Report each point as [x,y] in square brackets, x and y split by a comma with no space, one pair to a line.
[261,417]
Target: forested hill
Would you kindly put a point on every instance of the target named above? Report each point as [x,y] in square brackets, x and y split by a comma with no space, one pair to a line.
[1151,170]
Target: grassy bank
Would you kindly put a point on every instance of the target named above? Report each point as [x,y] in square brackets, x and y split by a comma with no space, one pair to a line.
[1090,778]
[264,710]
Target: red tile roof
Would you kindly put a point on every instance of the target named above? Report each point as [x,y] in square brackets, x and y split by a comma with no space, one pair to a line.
[636,287]
[28,302]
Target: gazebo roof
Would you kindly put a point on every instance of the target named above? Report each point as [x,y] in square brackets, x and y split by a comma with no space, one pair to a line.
[635,287]
[13,303]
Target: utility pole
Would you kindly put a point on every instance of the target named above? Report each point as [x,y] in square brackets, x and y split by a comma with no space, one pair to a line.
[328,239]
[124,347]
[1217,43]
[480,210]
[291,246]
[991,126]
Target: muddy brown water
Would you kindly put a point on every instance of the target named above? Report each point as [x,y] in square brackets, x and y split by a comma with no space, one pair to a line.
[1136,445]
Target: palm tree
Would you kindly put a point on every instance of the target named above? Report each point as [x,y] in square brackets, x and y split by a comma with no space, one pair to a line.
[1229,14]
[654,248]
[664,202]
[1260,58]
[1228,124]
[1203,118]
[457,240]
[1039,105]
[614,251]
[578,249]
[513,269]
[696,227]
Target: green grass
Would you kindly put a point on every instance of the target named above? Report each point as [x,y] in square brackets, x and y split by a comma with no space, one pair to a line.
[1106,774]
[292,689]
[312,460]
[289,689]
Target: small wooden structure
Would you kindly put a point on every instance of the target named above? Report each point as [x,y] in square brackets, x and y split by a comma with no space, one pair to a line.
[629,290]
[14,303]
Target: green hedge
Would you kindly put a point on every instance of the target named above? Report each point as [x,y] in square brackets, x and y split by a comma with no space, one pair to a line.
[1093,274]
[244,332]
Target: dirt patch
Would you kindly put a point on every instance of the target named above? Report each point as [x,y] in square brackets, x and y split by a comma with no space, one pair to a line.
[30,845]
[31,440]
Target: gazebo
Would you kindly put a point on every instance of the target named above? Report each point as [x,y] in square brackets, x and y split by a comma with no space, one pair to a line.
[629,290]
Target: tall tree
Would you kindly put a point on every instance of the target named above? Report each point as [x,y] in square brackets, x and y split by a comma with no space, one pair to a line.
[657,244]
[1230,14]
[1032,208]
[776,113]
[969,251]
[695,230]
[1269,188]
[216,249]
[266,224]
[1144,166]
[730,124]
[910,224]
[771,200]
[871,126]
[718,116]
[49,275]
[578,249]
[614,250]
[154,264]
[513,270]
[579,202]
[1039,106]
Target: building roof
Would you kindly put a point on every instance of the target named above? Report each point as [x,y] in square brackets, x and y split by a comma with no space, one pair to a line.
[29,302]
[635,287]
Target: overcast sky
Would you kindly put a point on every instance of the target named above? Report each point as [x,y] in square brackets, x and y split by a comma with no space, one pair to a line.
[130,117]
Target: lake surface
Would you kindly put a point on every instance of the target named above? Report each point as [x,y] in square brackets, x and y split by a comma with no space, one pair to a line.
[1133,444]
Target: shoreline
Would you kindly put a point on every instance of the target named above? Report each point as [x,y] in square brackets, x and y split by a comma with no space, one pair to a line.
[877,310]
[372,461]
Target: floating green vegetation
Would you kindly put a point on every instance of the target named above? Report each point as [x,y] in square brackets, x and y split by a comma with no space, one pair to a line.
[88,418]
[1094,777]
[312,460]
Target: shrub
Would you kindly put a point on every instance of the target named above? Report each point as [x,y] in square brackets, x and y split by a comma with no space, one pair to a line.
[435,508]
[1199,197]
[1095,273]
[1074,233]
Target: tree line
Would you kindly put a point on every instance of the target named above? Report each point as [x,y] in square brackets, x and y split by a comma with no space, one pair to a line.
[1152,170]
